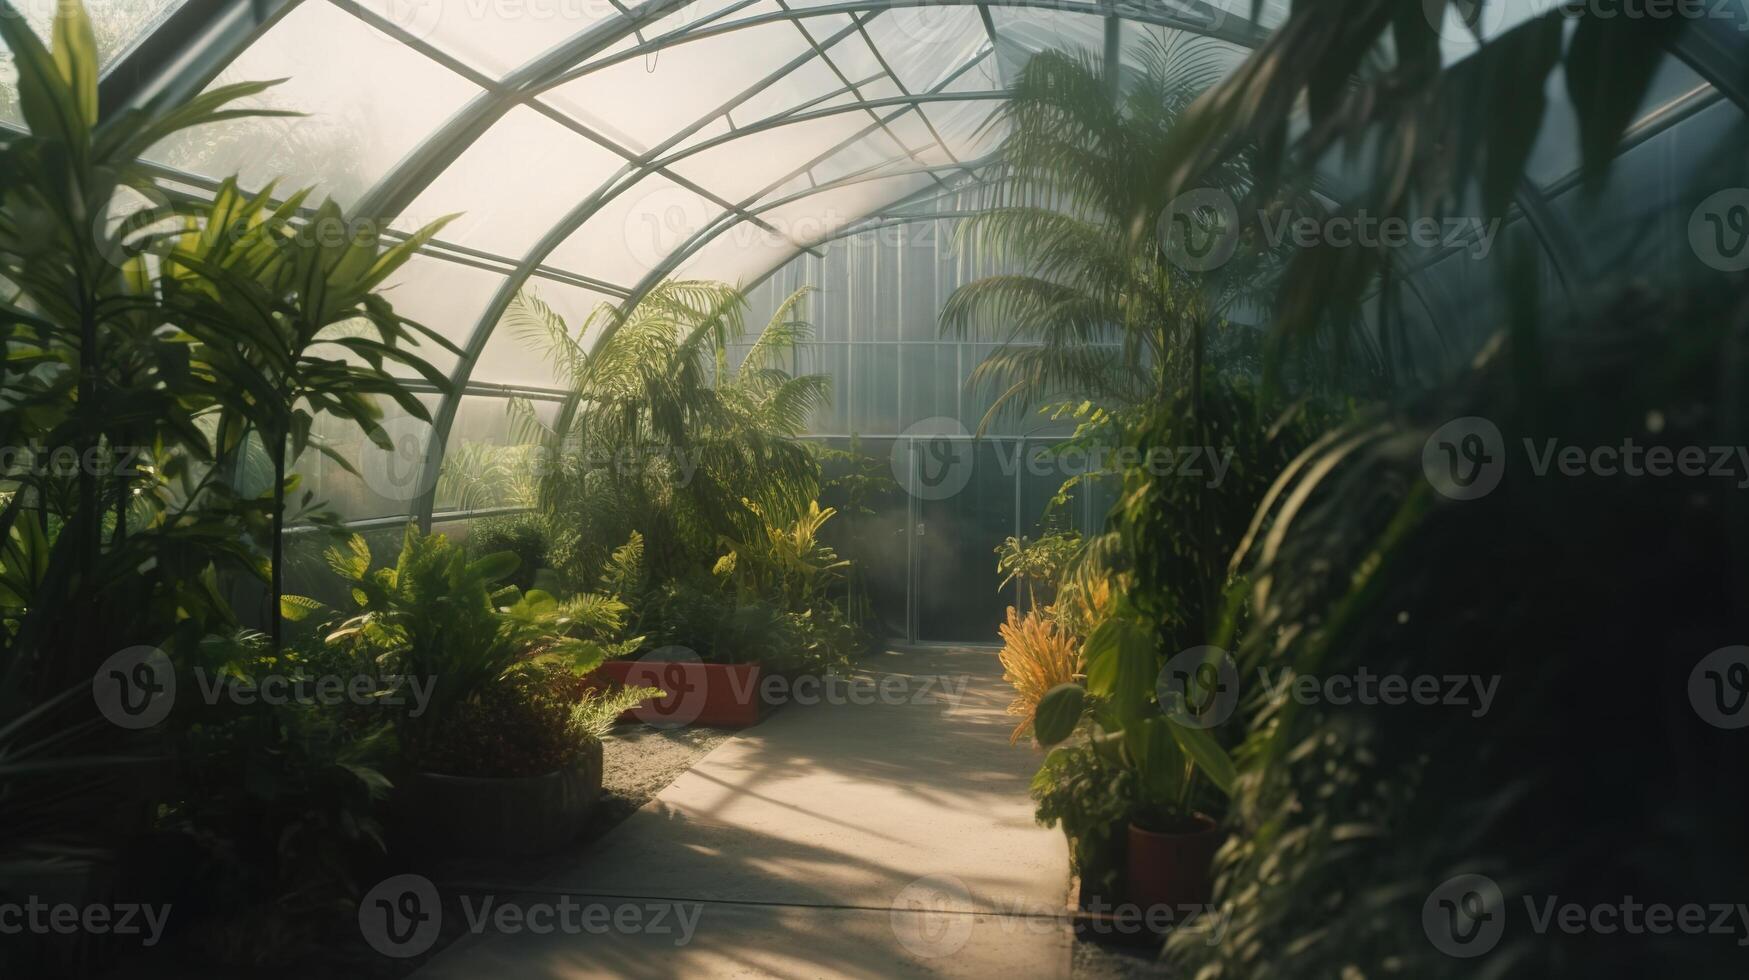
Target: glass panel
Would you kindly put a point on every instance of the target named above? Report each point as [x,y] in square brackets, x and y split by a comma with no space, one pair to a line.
[746,251]
[874,392]
[958,590]
[928,382]
[117,24]
[922,44]
[832,360]
[495,38]
[369,101]
[513,183]
[480,469]
[512,358]
[744,168]
[387,483]
[676,86]
[871,151]
[634,231]
[446,296]
[830,210]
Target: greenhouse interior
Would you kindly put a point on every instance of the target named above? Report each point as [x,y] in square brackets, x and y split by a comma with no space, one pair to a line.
[874,488]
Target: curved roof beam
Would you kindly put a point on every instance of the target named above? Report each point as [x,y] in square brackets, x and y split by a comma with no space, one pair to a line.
[567,225]
[571,60]
[400,186]
[187,51]
[1230,28]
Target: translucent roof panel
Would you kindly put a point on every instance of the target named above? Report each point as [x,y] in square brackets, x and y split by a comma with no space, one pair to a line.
[446,296]
[117,24]
[634,231]
[493,38]
[510,359]
[368,100]
[923,44]
[743,168]
[676,86]
[512,183]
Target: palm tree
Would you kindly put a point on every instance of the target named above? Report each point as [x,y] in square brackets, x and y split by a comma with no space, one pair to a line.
[664,435]
[1098,308]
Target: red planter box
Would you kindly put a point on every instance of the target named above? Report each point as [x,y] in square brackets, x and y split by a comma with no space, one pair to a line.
[719,695]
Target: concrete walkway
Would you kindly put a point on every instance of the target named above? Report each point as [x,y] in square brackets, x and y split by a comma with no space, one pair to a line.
[840,838]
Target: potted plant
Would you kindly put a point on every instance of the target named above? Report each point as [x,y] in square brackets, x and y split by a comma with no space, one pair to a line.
[517,770]
[500,748]
[1169,764]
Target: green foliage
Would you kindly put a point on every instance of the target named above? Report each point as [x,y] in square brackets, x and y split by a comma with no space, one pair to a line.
[1423,134]
[1350,815]
[448,622]
[1059,711]
[1036,563]
[481,476]
[161,352]
[523,535]
[1087,790]
[1095,309]
[667,440]
[537,721]
[596,710]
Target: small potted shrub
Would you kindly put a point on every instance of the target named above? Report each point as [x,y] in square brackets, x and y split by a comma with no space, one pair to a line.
[499,737]
[1158,757]
[517,769]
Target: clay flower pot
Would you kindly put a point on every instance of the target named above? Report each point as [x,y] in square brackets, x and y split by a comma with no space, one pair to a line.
[1172,869]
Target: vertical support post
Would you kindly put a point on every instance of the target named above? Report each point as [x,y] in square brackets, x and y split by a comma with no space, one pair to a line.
[1113,55]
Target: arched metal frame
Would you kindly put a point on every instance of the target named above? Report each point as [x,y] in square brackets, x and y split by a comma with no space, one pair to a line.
[201,37]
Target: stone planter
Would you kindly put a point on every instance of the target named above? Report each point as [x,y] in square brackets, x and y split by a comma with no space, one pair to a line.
[469,816]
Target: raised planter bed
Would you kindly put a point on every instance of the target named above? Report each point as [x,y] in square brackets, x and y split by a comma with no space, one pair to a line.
[698,693]
[468,816]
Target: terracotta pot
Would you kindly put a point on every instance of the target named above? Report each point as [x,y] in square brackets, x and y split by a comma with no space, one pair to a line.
[466,816]
[720,695]
[1171,869]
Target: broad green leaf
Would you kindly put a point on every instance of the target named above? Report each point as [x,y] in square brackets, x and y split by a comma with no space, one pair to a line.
[1212,760]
